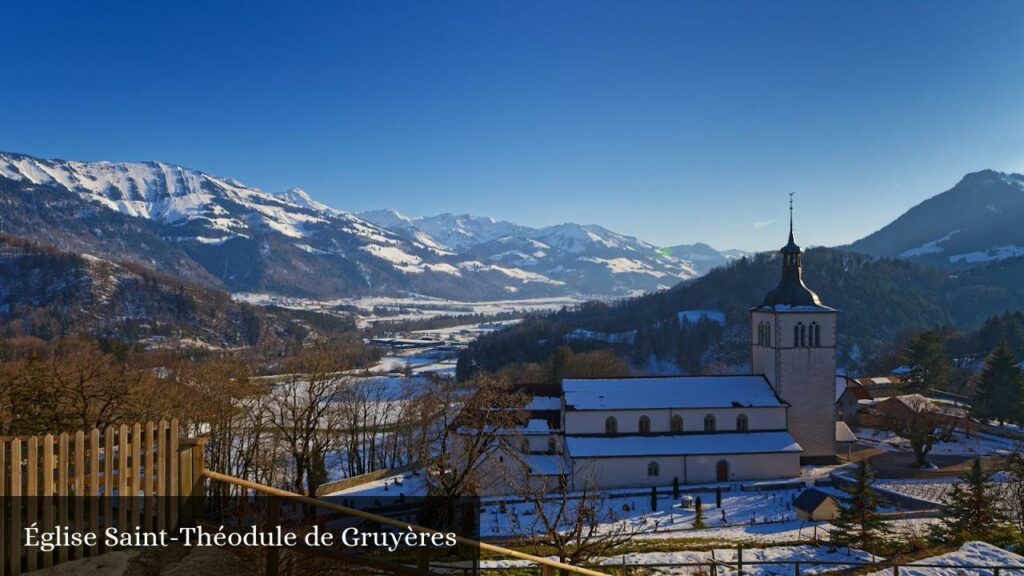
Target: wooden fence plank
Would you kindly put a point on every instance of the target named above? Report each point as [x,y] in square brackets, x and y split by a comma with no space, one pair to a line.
[123,449]
[161,470]
[136,481]
[4,537]
[32,493]
[63,468]
[78,514]
[93,491]
[173,480]
[108,478]
[149,479]
[46,494]
[15,558]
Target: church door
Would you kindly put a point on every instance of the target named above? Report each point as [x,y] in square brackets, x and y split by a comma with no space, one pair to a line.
[723,471]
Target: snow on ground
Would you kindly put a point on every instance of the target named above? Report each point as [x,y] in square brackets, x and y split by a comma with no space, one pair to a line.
[413,307]
[961,445]
[803,554]
[761,516]
[928,247]
[410,484]
[994,253]
[626,265]
[971,553]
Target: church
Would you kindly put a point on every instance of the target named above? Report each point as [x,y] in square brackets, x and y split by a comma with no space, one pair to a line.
[647,431]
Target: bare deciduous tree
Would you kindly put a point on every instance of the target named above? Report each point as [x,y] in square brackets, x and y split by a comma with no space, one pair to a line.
[920,421]
[579,523]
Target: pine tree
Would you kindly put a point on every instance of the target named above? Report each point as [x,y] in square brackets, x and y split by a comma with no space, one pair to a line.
[859,523]
[971,508]
[929,362]
[1000,386]
[698,514]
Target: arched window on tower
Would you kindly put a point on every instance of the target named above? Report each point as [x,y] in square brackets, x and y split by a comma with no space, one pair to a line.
[742,424]
[653,469]
[803,336]
[816,335]
[677,423]
[709,423]
[644,425]
[611,425]
[768,334]
[796,334]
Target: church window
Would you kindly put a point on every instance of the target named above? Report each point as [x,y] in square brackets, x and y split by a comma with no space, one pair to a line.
[653,469]
[677,423]
[709,423]
[796,335]
[611,425]
[742,424]
[816,334]
[768,334]
[645,425]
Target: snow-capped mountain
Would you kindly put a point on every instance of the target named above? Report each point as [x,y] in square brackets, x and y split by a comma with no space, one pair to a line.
[214,230]
[605,261]
[703,257]
[976,221]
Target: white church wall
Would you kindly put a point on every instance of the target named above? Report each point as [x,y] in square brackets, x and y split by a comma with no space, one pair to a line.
[632,471]
[628,421]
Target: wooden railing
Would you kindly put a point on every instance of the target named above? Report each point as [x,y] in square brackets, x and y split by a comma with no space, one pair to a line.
[142,475]
[547,566]
[124,476]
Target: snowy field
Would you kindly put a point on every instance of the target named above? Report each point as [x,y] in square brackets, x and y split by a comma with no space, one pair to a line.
[409,307]
[677,561]
[685,562]
[961,445]
[971,553]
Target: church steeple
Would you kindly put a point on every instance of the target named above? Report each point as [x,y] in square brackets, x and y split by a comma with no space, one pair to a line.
[791,290]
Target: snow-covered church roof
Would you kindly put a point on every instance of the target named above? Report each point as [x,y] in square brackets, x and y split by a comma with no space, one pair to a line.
[669,392]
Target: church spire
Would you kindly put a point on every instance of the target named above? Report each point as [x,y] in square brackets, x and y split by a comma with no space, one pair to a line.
[791,290]
[791,217]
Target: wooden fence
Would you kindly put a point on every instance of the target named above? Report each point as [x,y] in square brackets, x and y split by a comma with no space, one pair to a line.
[126,476]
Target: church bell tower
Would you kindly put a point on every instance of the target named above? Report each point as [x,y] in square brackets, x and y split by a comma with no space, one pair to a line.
[793,344]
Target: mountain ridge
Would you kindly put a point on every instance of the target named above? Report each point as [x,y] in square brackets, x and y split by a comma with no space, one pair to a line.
[975,221]
[218,231]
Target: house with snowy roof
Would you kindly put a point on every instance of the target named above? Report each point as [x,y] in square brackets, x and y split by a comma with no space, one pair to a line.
[648,431]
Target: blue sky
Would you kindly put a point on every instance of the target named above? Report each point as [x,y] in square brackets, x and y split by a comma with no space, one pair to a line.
[672,121]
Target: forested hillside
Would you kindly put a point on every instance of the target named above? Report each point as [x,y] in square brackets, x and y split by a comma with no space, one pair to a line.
[49,294]
[880,300]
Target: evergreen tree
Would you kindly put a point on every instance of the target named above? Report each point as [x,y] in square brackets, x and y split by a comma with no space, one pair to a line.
[971,508]
[698,514]
[1000,386]
[929,362]
[859,523]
